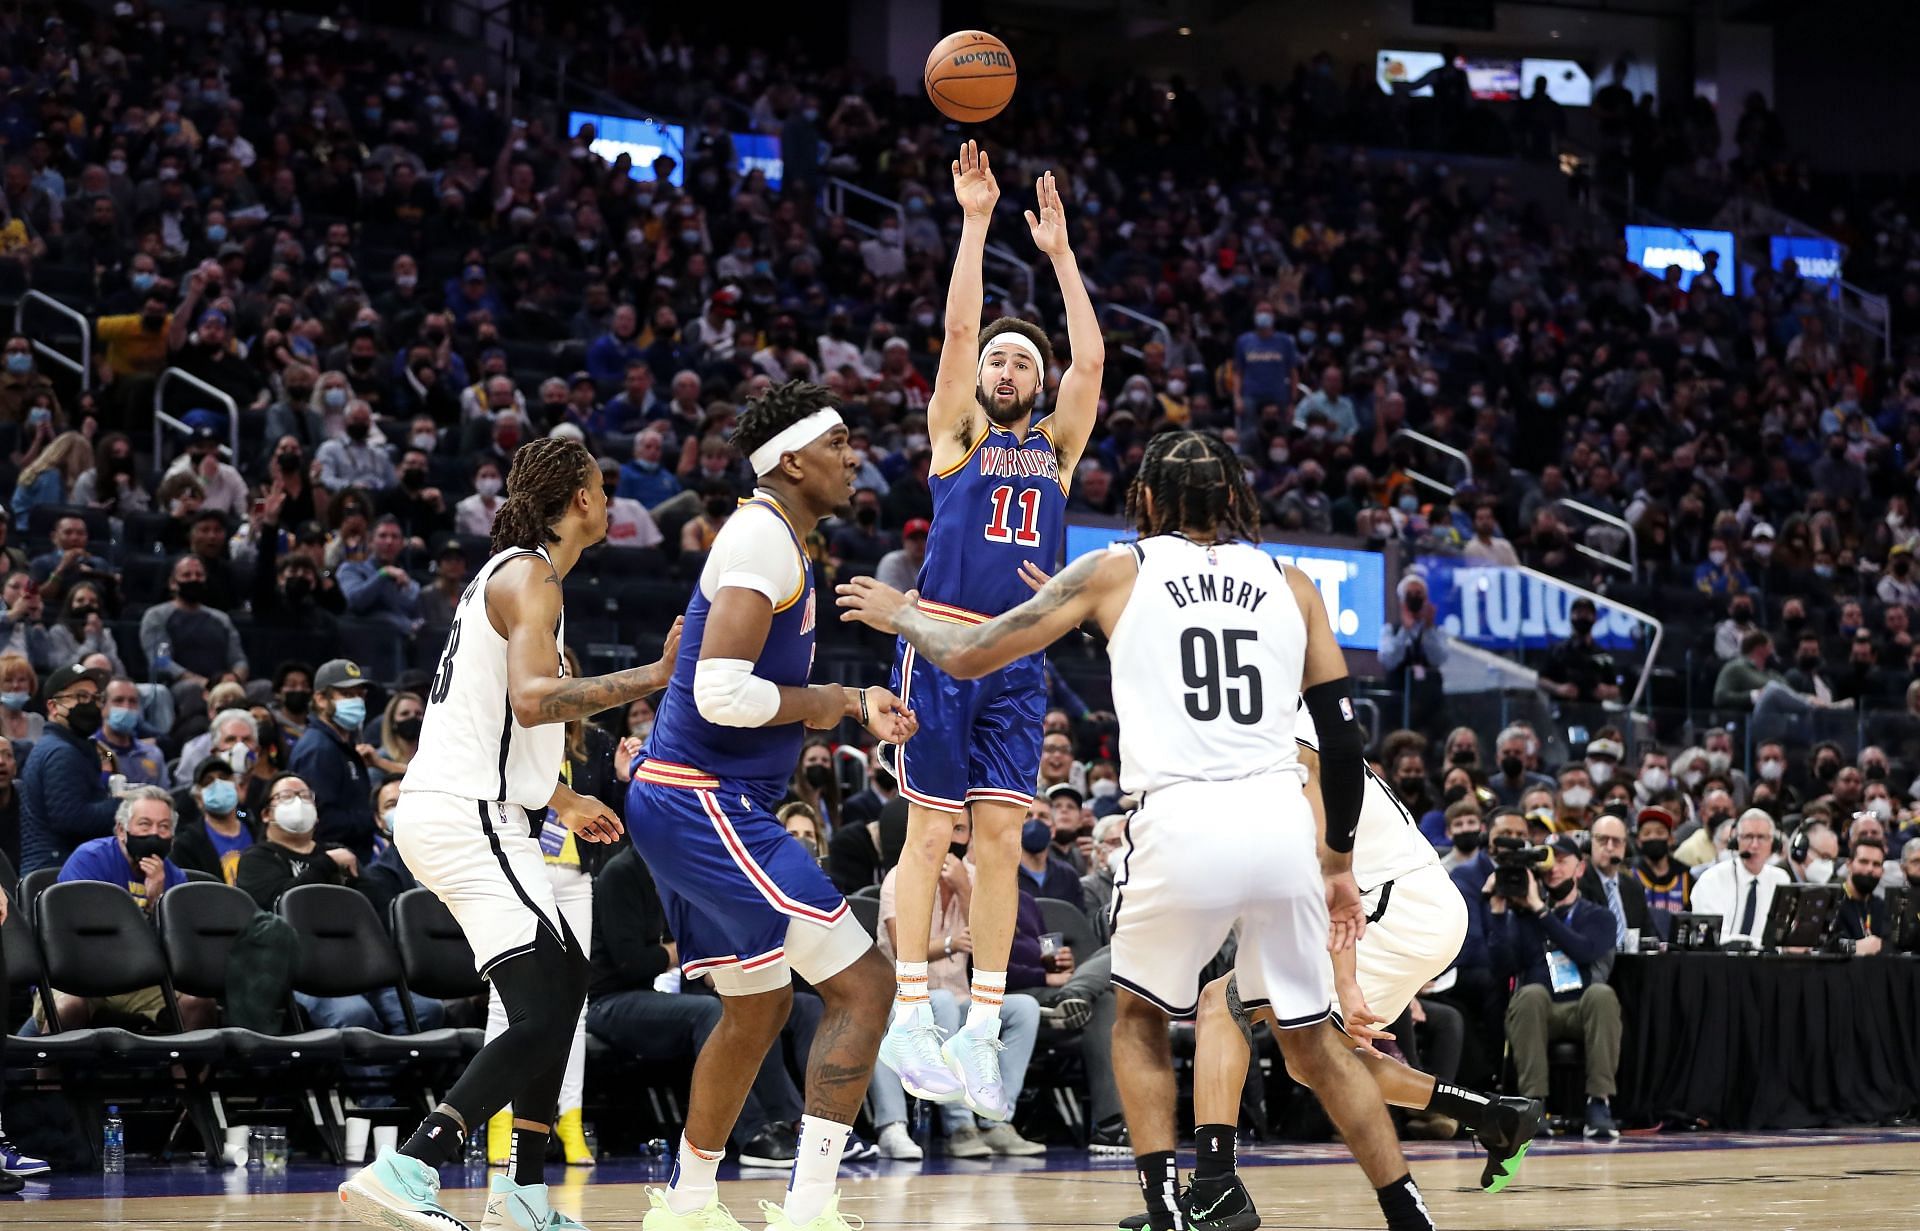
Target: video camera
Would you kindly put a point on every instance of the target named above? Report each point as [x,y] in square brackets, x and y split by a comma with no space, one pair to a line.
[1516,862]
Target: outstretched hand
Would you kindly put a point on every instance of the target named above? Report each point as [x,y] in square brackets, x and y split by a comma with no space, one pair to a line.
[973,182]
[1361,1022]
[870,601]
[1049,228]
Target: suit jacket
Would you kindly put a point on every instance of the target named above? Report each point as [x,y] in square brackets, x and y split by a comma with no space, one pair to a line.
[1633,898]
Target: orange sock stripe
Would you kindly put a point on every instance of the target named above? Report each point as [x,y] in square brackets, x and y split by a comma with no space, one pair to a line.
[909,978]
[697,1152]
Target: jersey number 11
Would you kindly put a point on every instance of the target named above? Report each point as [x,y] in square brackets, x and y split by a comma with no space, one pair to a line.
[1027,534]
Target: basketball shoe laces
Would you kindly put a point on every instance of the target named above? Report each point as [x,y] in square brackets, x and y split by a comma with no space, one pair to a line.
[983,1049]
[923,1042]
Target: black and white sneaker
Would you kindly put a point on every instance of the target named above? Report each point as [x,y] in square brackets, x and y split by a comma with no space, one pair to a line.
[1221,1204]
[1110,1139]
[774,1146]
[1067,1013]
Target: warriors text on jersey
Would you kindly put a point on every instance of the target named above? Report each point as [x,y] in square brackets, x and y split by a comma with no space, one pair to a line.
[998,507]
[758,549]
[1207,659]
[471,745]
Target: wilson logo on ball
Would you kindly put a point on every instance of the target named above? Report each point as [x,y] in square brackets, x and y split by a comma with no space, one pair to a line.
[997,59]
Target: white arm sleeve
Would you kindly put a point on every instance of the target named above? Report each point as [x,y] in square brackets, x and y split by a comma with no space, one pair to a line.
[729,694]
[755,552]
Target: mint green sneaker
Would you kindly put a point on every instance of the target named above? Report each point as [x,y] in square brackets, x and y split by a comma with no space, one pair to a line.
[522,1207]
[974,1056]
[399,1193]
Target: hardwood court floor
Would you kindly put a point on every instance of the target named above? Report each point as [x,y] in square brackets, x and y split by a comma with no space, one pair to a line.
[1795,1182]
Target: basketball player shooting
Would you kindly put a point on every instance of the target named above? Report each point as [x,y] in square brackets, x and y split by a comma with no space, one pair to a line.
[1227,835]
[486,777]
[747,905]
[999,482]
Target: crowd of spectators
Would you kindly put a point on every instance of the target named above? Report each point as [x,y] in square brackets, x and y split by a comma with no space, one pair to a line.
[396,282]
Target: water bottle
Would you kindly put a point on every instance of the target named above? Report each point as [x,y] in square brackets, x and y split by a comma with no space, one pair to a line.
[162,661]
[113,1143]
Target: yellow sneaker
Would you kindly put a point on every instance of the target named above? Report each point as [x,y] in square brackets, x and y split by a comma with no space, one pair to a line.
[711,1217]
[499,1137]
[573,1139]
[829,1219]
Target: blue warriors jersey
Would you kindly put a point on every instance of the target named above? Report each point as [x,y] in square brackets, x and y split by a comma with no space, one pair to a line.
[685,749]
[1001,505]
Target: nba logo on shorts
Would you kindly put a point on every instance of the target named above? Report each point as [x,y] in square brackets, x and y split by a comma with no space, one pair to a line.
[1346,708]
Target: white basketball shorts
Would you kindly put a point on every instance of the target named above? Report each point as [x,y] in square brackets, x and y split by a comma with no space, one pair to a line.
[1204,858]
[481,860]
[1415,938]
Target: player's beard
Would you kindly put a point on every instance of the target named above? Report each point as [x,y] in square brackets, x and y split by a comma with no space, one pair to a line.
[1012,413]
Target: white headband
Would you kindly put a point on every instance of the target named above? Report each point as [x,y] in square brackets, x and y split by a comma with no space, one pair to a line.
[794,437]
[1019,341]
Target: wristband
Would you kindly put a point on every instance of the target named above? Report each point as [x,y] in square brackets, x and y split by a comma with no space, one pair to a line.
[864,718]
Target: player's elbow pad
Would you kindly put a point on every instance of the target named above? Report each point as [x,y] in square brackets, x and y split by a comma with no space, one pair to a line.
[1343,766]
[729,694]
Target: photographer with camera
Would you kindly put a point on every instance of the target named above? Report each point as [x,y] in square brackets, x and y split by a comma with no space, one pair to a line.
[1558,946]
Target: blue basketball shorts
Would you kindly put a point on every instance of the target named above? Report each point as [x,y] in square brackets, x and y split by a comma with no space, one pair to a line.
[979,740]
[746,902]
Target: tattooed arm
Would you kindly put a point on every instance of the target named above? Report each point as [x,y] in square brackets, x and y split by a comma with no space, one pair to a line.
[523,605]
[1093,587]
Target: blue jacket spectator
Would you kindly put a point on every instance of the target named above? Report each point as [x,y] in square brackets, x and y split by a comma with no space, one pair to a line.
[376,587]
[327,758]
[1468,878]
[63,792]
[644,478]
[1519,942]
[611,352]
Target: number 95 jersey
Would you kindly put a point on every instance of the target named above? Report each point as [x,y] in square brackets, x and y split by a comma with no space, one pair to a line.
[1207,659]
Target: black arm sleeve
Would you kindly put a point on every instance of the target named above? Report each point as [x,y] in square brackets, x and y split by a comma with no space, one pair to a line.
[1343,775]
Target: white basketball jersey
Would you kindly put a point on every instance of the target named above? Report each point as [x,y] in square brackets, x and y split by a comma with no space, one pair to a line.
[470,743]
[1207,658]
[1388,843]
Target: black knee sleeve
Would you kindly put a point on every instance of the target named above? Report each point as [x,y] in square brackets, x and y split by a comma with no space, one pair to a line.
[537,988]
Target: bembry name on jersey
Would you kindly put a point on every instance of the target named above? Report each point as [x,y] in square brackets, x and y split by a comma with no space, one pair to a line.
[1206,588]
[1000,462]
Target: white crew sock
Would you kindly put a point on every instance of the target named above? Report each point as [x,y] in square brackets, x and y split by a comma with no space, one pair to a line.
[693,1183]
[989,989]
[909,989]
[816,1167]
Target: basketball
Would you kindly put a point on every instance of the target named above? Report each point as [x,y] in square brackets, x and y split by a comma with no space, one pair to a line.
[970,76]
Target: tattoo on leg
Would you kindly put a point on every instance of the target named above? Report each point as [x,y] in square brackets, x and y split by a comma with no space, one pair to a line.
[1238,1009]
[840,1065]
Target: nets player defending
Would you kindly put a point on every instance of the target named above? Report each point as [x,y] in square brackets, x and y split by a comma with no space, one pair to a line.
[471,813]
[746,903]
[999,502]
[1416,920]
[1214,646]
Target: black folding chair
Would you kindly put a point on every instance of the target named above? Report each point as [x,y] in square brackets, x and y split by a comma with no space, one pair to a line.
[345,952]
[198,925]
[95,942]
[435,956]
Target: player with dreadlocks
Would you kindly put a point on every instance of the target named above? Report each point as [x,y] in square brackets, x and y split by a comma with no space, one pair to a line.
[482,798]
[1230,833]
[745,903]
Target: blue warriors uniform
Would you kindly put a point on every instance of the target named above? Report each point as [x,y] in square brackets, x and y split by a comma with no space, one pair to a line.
[730,877]
[1000,506]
